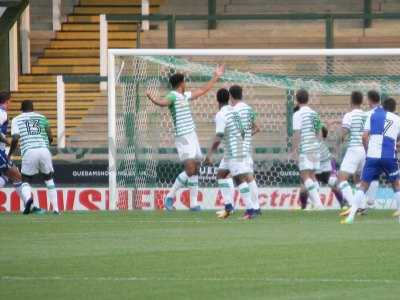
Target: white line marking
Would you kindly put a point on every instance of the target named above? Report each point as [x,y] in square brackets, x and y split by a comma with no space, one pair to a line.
[228,279]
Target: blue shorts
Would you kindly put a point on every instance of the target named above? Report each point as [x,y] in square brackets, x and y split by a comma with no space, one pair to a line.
[5,164]
[374,167]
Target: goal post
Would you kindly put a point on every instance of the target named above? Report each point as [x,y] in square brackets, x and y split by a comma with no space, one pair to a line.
[142,154]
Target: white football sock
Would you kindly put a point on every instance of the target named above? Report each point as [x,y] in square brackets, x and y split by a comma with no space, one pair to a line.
[180,182]
[52,194]
[347,191]
[193,184]
[312,188]
[357,203]
[245,193]
[371,193]
[397,198]
[227,190]
[254,194]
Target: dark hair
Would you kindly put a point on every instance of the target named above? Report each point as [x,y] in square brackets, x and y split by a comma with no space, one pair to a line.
[296,108]
[374,96]
[223,96]
[389,105]
[27,105]
[302,96]
[236,92]
[176,79]
[356,98]
[324,132]
[4,96]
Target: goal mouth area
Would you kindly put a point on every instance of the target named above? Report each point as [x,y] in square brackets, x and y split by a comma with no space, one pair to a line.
[141,136]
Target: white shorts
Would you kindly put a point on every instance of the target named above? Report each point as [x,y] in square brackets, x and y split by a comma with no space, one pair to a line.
[240,166]
[37,160]
[188,147]
[324,166]
[309,161]
[354,160]
[223,164]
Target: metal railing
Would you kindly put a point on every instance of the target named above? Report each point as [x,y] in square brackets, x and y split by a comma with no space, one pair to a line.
[329,19]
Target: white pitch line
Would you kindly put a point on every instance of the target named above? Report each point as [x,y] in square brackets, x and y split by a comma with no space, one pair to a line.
[226,279]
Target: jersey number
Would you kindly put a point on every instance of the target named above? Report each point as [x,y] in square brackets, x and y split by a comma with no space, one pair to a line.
[32,127]
[388,124]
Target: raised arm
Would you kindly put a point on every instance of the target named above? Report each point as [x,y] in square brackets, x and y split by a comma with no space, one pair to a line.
[219,71]
[163,102]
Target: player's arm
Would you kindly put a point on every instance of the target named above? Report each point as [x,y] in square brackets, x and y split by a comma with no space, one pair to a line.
[14,144]
[255,128]
[3,139]
[346,124]
[214,147]
[296,133]
[365,136]
[163,102]
[49,133]
[219,71]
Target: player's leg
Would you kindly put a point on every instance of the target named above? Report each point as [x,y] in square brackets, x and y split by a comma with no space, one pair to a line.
[308,164]
[254,188]
[192,168]
[350,164]
[241,171]
[371,172]
[391,170]
[225,185]
[303,197]
[371,193]
[46,168]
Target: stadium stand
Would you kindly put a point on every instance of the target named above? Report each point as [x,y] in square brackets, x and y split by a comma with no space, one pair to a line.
[74,50]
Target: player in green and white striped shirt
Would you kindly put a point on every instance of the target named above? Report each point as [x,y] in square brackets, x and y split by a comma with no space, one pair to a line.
[187,143]
[306,144]
[236,126]
[354,159]
[32,131]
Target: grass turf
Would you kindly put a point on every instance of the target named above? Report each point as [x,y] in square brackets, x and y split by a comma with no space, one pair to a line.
[181,255]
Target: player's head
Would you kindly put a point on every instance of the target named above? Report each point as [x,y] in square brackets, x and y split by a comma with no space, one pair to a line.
[356,98]
[236,92]
[389,104]
[302,96]
[373,98]
[324,132]
[222,97]
[177,81]
[27,106]
[4,99]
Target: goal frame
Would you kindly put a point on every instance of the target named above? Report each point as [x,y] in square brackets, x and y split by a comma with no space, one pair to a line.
[112,168]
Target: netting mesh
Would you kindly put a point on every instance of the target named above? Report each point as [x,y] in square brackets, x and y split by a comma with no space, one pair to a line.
[146,154]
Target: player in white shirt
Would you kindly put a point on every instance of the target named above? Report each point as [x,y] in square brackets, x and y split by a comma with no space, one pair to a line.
[381,131]
[237,126]
[306,145]
[7,168]
[178,102]
[32,131]
[354,158]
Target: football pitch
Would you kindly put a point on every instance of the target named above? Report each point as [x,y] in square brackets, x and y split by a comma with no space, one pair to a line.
[182,255]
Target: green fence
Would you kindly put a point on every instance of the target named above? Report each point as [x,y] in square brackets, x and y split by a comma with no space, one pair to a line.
[212,20]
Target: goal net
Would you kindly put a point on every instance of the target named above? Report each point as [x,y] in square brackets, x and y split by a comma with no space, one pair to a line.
[143,160]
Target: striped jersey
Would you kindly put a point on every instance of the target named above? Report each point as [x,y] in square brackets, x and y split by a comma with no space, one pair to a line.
[307,121]
[236,123]
[354,122]
[384,129]
[325,154]
[31,128]
[3,125]
[181,113]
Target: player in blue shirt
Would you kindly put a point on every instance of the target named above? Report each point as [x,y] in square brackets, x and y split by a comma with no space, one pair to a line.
[7,168]
[381,131]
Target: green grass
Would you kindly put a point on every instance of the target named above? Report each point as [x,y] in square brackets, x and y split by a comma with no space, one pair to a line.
[153,255]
